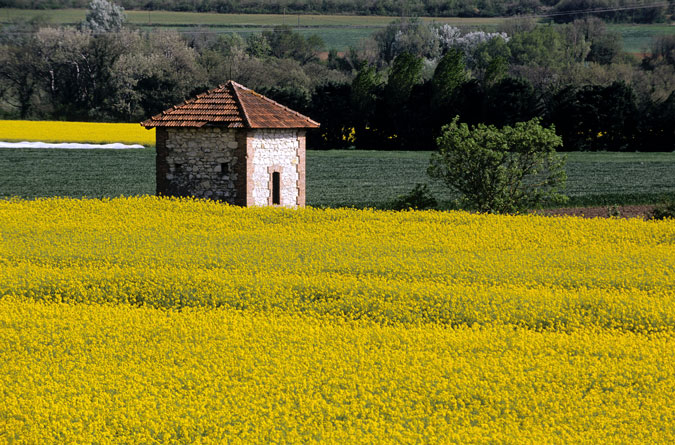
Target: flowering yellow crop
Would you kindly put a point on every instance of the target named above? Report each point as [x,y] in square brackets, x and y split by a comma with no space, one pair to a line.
[57,131]
[149,320]
[119,374]
[453,268]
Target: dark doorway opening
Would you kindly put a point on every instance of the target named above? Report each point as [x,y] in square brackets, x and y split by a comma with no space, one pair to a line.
[276,186]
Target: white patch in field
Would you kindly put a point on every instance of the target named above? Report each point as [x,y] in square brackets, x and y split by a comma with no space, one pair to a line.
[25,144]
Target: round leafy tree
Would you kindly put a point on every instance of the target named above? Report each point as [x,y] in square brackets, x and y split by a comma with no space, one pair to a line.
[503,170]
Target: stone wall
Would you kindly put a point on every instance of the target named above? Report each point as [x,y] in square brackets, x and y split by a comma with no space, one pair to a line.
[235,166]
[200,162]
[275,151]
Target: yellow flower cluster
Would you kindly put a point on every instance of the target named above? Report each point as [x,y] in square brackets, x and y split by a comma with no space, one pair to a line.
[57,131]
[148,320]
[118,374]
[453,268]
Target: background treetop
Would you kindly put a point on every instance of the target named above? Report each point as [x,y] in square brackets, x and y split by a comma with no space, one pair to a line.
[395,90]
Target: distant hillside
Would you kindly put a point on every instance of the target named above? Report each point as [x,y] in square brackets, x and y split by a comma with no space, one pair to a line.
[636,11]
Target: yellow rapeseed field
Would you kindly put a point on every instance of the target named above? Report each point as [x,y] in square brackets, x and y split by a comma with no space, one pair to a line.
[453,268]
[118,374]
[58,131]
[148,320]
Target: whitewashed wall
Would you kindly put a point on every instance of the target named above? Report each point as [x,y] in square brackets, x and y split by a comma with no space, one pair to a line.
[275,148]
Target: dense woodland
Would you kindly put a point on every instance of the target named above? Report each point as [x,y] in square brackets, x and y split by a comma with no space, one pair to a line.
[394,91]
[563,11]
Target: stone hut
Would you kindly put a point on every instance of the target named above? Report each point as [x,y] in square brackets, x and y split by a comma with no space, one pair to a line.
[234,145]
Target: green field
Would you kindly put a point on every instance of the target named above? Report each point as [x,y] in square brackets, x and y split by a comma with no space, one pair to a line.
[638,38]
[338,31]
[170,18]
[334,178]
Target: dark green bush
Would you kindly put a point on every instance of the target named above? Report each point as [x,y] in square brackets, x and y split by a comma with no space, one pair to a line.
[663,211]
[419,198]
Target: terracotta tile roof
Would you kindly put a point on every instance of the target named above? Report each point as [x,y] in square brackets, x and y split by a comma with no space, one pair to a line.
[230,106]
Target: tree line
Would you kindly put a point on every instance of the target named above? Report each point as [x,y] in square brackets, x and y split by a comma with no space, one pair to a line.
[394,91]
[562,11]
